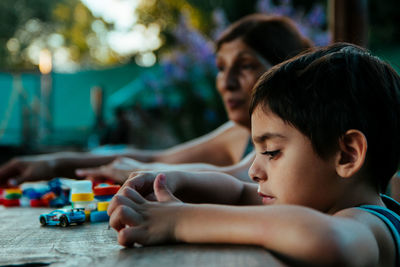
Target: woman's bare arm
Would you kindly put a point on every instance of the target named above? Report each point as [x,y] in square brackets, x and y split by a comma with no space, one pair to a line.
[224,146]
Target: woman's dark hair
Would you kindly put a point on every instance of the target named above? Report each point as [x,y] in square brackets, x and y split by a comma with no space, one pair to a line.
[275,38]
[332,90]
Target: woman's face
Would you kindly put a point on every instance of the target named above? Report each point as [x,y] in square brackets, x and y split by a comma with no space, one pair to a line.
[239,67]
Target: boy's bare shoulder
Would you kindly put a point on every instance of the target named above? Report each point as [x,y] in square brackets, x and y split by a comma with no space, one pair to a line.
[379,230]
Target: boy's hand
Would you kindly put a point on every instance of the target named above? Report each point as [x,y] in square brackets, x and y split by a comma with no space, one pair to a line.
[143,183]
[140,221]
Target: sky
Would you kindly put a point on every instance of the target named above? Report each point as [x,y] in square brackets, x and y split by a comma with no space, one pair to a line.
[120,12]
[128,37]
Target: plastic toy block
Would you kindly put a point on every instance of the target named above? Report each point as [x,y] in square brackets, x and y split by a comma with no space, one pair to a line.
[82,197]
[24,202]
[58,202]
[12,196]
[99,216]
[99,181]
[32,193]
[49,196]
[8,191]
[11,202]
[38,203]
[87,205]
[106,189]
[81,187]
[55,186]
[102,206]
[104,198]
[87,215]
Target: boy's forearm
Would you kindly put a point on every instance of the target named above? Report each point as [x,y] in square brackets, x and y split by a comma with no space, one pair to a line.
[297,233]
[213,187]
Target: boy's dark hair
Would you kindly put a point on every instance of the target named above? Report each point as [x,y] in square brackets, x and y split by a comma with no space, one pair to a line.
[275,38]
[331,90]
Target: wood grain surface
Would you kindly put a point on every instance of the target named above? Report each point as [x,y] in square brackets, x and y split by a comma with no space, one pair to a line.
[23,242]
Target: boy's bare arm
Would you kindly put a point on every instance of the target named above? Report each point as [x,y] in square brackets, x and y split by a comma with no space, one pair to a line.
[198,187]
[297,233]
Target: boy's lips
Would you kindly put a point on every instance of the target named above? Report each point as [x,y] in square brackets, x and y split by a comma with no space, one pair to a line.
[266,199]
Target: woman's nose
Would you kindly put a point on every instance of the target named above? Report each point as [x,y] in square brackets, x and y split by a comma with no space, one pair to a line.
[231,81]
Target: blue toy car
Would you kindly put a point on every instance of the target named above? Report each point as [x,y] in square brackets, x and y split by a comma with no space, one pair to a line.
[63,217]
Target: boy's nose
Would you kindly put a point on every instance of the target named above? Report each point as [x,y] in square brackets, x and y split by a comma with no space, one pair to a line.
[255,173]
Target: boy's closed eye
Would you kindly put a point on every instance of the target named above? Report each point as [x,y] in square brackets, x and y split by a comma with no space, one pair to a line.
[272,153]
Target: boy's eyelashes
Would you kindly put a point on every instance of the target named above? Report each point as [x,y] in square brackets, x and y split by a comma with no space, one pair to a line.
[272,154]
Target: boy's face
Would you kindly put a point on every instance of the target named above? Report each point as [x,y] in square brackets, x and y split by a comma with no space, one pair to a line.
[286,167]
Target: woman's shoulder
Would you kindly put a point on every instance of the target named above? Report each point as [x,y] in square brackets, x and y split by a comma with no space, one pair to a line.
[232,128]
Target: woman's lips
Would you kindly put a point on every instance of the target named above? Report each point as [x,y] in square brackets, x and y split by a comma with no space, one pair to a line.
[266,199]
[234,103]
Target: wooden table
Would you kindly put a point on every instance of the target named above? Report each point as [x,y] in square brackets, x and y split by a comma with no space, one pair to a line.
[24,242]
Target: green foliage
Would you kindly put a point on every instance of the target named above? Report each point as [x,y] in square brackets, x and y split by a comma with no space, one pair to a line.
[26,25]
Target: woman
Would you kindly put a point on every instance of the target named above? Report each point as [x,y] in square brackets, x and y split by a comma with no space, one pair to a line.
[245,50]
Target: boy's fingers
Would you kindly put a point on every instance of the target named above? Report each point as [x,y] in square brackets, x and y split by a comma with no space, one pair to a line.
[130,235]
[151,197]
[134,182]
[123,216]
[120,200]
[132,195]
[161,191]
[139,185]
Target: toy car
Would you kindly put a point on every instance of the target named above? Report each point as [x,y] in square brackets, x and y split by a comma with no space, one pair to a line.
[63,217]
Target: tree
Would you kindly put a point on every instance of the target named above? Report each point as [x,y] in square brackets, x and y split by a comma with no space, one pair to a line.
[66,27]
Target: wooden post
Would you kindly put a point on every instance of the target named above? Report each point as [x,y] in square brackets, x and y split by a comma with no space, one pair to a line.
[348,21]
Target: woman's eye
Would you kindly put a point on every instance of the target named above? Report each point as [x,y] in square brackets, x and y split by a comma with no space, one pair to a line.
[271,154]
[248,66]
[220,67]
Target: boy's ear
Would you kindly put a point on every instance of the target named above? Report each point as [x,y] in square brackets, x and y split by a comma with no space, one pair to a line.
[353,150]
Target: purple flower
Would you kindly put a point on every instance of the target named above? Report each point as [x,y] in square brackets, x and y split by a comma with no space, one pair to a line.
[264,6]
[310,25]
[220,22]
[316,17]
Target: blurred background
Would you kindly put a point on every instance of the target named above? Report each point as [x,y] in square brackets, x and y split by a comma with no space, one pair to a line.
[76,74]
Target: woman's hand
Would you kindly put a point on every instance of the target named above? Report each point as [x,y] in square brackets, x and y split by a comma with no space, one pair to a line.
[29,168]
[138,220]
[118,170]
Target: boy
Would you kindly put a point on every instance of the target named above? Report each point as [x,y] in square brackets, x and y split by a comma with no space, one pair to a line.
[325,127]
